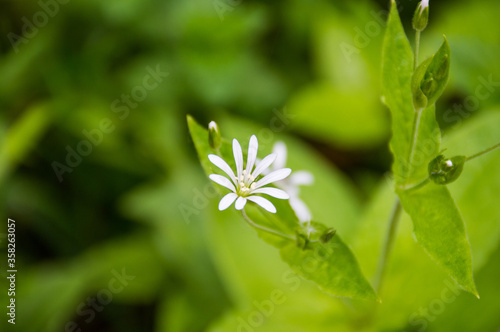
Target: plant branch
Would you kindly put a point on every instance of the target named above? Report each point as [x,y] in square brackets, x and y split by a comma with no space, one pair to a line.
[414,134]
[483,152]
[389,240]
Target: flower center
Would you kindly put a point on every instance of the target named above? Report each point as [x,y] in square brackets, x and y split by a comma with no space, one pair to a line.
[245,184]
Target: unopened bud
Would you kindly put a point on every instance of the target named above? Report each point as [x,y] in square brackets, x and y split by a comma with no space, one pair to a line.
[430,78]
[327,235]
[443,171]
[214,138]
[421,16]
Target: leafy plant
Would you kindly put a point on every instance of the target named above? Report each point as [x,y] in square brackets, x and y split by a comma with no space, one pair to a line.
[421,174]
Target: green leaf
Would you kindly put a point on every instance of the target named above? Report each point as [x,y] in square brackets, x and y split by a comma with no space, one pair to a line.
[439,229]
[414,144]
[22,137]
[397,69]
[332,266]
[479,183]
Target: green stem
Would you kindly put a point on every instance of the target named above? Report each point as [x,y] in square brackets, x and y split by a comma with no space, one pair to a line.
[389,240]
[483,152]
[418,113]
[417,47]
[265,229]
[414,134]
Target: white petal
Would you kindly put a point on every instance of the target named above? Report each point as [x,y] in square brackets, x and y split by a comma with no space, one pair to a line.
[223,181]
[301,178]
[238,157]
[277,175]
[264,203]
[300,208]
[221,163]
[227,200]
[253,146]
[275,192]
[280,149]
[263,164]
[240,203]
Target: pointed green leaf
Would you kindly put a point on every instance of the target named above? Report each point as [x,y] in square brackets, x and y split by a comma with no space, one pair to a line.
[439,229]
[331,265]
[414,144]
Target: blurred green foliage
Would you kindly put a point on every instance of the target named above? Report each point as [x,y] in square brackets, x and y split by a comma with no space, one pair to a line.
[140,202]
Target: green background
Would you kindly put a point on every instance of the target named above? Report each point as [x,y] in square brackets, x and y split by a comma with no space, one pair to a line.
[305,72]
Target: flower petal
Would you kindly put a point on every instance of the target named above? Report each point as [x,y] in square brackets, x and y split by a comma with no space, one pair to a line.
[300,208]
[263,164]
[223,181]
[277,175]
[264,203]
[240,203]
[275,192]
[221,163]
[301,178]
[238,157]
[280,149]
[253,146]
[227,200]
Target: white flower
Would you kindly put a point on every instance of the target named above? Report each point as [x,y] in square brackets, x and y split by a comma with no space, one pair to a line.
[292,183]
[244,185]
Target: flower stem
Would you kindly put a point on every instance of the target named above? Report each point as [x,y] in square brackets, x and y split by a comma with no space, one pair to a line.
[265,229]
[483,152]
[389,240]
[417,46]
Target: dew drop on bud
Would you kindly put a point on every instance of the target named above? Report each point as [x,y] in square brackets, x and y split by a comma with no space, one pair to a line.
[444,170]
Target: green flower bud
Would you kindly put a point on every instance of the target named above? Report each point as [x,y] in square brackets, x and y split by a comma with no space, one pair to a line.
[428,86]
[214,138]
[430,78]
[421,16]
[327,235]
[443,170]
